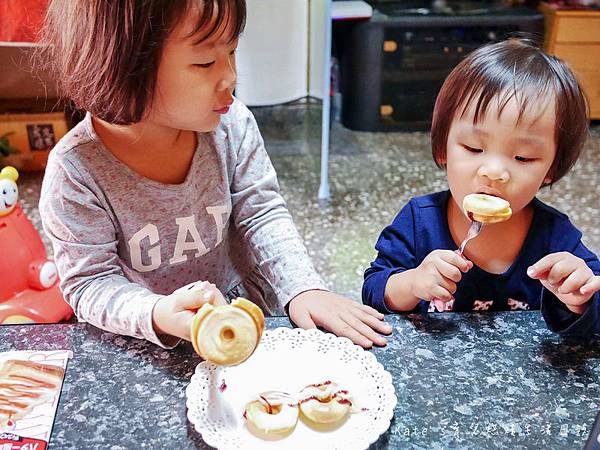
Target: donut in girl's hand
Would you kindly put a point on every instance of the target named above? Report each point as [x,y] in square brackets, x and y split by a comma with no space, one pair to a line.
[227,334]
[272,416]
[486,208]
[324,403]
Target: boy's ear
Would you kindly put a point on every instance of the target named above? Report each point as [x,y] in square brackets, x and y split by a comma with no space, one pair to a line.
[548,179]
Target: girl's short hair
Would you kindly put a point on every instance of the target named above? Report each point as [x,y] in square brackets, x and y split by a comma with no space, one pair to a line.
[105,54]
[514,69]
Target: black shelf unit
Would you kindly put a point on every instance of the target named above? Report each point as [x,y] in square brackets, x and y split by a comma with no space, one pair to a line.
[392,67]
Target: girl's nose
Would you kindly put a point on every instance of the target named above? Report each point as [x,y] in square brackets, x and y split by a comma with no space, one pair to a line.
[228,75]
[494,172]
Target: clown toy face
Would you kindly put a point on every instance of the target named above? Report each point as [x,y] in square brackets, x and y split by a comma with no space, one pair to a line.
[9,193]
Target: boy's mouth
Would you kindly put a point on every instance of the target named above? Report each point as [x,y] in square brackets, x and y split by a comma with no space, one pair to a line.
[489,191]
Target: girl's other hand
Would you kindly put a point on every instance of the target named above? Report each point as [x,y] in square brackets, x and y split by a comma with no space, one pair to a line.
[436,277]
[172,315]
[340,315]
[568,277]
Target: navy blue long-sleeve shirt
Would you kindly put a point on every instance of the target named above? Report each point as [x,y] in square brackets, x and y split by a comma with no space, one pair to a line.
[422,226]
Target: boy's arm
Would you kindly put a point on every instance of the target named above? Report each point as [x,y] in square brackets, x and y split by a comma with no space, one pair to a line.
[560,318]
[399,291]
[387,282]
[85,251]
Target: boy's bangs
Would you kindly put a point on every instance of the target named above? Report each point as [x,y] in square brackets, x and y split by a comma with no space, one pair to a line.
[501,85]
[218,17]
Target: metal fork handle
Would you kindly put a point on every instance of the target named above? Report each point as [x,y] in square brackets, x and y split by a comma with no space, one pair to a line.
[474,230]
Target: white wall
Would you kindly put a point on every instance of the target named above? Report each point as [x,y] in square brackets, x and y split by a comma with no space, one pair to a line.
[272,59]
[316,42]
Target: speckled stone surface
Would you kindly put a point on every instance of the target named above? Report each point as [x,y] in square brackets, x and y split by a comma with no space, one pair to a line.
[372,176]
[463,381]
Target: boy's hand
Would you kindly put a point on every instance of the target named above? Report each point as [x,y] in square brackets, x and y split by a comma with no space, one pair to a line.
[436,277]
[340,315]
[172,315]
[568,277]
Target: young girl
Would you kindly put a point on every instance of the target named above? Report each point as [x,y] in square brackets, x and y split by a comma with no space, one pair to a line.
[509,120]
[166,181]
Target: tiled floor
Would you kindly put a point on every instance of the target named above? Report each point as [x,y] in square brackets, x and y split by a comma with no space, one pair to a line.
[372,176]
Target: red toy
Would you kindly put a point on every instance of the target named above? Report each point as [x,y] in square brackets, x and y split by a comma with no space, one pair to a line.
[28,280]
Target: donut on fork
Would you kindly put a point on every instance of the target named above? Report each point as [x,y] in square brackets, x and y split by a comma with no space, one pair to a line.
[486,208]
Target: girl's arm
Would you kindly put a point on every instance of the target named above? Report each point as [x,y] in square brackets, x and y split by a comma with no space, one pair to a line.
[260,213]
[85,250]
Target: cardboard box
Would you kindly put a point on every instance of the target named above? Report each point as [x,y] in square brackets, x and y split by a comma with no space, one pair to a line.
[34,135]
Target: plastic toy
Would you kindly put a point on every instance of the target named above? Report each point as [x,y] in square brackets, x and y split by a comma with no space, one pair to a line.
[29,290]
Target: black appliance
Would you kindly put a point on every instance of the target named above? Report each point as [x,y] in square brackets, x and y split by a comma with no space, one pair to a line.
[393,65]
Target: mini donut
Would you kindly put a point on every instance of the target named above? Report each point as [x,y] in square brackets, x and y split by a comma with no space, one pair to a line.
[486,208]
[227,334]
[324,403]
[273,415]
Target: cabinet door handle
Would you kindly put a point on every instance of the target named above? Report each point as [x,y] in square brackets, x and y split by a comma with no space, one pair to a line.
[386,110]
[390,46]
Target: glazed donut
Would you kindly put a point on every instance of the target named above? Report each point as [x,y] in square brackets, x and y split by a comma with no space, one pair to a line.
[227,334]
[272,416]
[486,208]
[324,403]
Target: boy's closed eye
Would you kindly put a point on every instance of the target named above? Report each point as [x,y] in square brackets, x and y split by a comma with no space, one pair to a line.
[524,159]
[472,149]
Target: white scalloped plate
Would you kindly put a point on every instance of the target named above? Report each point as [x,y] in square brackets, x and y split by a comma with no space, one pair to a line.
[287,360]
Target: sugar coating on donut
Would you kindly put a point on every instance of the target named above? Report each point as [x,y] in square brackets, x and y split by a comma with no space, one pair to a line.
[227,334]
[272,415]
[325,403]
[487,208]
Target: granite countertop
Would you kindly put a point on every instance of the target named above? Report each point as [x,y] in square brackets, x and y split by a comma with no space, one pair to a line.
[468,380]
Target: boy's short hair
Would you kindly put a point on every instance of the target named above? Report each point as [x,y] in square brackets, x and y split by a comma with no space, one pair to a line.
[105,54]
[519,69]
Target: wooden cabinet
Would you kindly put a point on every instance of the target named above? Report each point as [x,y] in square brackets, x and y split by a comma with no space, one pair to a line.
[574,36]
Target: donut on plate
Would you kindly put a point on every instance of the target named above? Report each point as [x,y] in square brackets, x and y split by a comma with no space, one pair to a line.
[273,415]
[324,403]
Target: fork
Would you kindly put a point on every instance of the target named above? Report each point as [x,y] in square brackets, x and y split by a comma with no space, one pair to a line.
[474,230]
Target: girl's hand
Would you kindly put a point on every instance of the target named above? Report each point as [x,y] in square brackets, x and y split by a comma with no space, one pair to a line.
[172,315]
[340,315]
[436,277]
[568,277]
